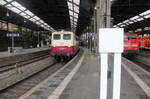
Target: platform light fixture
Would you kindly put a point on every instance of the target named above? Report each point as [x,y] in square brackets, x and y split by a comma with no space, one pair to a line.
[131,22]
[140,19]
[147,16]
[137,18]
[8,0]
[16,4]
[146,28]
[24,12]
[145,13]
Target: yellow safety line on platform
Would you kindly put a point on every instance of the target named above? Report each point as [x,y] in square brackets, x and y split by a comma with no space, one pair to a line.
[59,90]
[28,93]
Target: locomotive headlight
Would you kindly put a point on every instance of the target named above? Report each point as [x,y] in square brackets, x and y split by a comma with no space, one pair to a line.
[134,45]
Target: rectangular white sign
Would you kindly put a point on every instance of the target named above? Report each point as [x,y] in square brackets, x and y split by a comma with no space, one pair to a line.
[111,40]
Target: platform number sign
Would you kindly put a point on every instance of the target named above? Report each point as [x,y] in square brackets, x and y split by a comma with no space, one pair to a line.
[12,34]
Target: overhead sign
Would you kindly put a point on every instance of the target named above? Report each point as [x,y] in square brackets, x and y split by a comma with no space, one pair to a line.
[12,34]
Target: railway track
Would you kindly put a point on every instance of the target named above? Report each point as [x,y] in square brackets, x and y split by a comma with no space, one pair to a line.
[144,53]
[7,61]
[142,60]
[141,71]
[13,92]
[15,72]
[20,88]
[18,64]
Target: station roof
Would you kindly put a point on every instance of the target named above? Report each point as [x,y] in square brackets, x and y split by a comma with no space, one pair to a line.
[54,14]
[133,15]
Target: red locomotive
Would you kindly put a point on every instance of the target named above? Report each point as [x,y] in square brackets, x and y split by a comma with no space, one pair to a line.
[131,44]
[144,42]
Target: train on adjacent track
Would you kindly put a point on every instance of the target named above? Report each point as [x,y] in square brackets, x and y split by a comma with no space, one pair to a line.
[133,43]
[64,45]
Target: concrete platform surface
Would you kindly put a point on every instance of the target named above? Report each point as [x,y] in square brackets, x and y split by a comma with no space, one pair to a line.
[85,82]
[23,51]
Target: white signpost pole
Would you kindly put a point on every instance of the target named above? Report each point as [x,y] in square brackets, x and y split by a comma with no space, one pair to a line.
[12,43]
[103,73]
[117,76]
[110,44]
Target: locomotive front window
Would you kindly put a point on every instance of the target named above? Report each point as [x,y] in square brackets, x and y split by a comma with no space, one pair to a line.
[129,37]
[56,36]
[66,36]
[126,37]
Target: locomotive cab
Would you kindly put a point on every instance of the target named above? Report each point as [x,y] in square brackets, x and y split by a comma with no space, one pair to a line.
[64,44]
[131,44]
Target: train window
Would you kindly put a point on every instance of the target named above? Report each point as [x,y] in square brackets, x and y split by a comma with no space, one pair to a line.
[56,36]
[129,37]
[66,36]
[126,37]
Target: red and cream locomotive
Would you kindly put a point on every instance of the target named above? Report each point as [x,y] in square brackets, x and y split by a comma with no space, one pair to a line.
[64,44]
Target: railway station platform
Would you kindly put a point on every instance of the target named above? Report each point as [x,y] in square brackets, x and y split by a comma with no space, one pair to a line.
[79,79]
[22,51]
